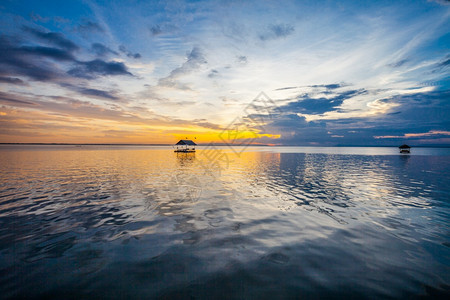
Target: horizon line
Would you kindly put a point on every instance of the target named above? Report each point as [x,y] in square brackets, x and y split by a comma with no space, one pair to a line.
[219,144]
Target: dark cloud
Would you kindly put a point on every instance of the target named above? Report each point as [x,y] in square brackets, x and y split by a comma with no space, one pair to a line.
[156,30]
[16,60]
[97,93]
[160,29]
[276,31]
[332,86]
[442,66]
[123,49]
[8,99]
[213,73]
[442,2]
[89,27]
[295,130]
[286,88]
[37,62]
[53,38]
[242,59]
[101,50]
[445,62]
[307,105]
[93,68]
[37,18]
[398,64]
[39,51]
[12,80]
[415,113]
[194,61]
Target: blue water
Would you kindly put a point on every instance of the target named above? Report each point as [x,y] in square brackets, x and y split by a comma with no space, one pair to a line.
[242,223]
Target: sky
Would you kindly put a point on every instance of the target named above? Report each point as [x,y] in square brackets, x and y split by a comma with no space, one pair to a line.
[320,73]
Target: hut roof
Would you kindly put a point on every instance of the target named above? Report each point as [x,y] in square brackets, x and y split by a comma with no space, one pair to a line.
[404,146]
[186,142]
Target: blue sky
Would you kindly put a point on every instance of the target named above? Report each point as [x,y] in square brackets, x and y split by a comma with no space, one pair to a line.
[338,72]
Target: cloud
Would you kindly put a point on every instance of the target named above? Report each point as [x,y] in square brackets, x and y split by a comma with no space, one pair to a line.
[332,86]
[307,105]
[156,30]
[160,29]
[90,27]
[434,133]
[123,49]
[276,31]
[442,2]
[205,124]
[213,73]
[101,50]
[16,60]
[421,116]
[12,80]
[398,64]
[242,59]
[39,51]
[91,92]
[93,68]
[443,64]
[9,99]
[33,61]
[97,93]
[195,60]
[37,18]
[53,38]
[67,109]
[286,88]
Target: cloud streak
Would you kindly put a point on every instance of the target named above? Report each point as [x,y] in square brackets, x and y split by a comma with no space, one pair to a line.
[98,67]
[53,38]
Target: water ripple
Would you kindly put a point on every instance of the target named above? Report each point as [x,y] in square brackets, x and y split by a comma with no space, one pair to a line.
[144,222]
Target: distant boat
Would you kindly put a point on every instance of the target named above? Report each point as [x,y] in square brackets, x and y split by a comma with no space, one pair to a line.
[405,148]
[184,146]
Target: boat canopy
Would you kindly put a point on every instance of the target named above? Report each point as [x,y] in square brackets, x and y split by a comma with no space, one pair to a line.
[186,142]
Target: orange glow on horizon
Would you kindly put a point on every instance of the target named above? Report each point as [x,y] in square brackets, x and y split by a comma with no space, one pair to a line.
[31,126]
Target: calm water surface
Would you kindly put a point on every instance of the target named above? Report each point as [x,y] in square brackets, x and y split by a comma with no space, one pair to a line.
[144,222]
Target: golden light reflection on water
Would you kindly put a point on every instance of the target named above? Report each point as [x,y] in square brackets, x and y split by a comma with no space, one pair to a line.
[175,182]
[264,211]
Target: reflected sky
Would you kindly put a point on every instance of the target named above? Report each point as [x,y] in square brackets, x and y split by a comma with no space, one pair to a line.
[101,219]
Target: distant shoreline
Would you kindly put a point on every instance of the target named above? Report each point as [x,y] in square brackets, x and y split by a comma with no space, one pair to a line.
[217,144]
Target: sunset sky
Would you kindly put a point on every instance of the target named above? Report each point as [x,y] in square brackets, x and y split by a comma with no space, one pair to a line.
[334,72]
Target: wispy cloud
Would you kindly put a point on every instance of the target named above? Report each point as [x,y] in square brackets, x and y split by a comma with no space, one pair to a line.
[53,38]
[102,50]
[123,49]
[195,59]
[12,80]
[433,133]
[97,67]
[87,26]
[276,31]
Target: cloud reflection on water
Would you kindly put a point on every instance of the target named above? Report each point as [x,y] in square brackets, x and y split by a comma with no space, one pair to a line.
[301,223]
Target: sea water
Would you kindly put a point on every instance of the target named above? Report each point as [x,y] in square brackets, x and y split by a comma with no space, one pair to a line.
[238,222]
